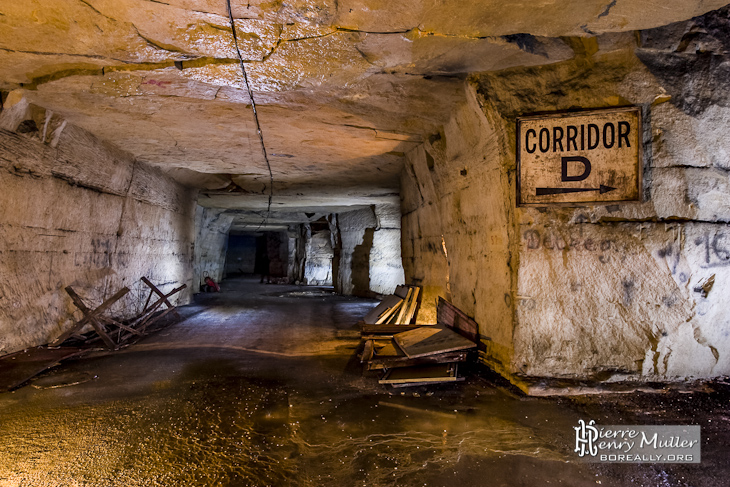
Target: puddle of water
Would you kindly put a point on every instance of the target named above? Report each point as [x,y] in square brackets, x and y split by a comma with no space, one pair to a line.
[402,441]
[208,424]
[236,396]
[215,433]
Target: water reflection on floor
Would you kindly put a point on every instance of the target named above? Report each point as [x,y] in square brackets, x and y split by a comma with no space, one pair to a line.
[244,394]
[232,430]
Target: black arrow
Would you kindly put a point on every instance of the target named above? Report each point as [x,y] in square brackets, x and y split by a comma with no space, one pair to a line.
[545,191]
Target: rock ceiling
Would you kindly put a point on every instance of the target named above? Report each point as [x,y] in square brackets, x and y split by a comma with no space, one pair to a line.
[344,87]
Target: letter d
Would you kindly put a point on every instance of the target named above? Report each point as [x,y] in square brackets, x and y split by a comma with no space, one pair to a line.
[564,168]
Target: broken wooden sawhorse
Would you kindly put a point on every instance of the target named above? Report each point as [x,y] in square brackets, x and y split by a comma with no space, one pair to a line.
[147,316]
[91,316]
[134,327]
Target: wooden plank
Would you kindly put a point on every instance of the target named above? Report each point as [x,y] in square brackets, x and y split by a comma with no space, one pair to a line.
[393,320]
[161,294]
[147,313]
[367,351]
[389,313]
[409,318]
[153,317]
[417,384]
[393,314]
[387,329]
[376,337]
[431,340]
[389,350]
[452,317]
[116,323]
[389,362]
[147,303]
[404,308]
[84,321]
[401,291]
[143,320]
[422,374]
[388,302]
[99,328]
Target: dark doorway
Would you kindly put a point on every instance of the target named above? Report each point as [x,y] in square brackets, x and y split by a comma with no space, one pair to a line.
[241,255]
[260,253]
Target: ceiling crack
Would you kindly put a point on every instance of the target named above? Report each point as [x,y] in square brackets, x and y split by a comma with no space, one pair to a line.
[127,66]
[44,53]
[279,40]
[608,9]
[191,60]
[327,34]
[97,11]
[345,29]
[364,55]
[160,46]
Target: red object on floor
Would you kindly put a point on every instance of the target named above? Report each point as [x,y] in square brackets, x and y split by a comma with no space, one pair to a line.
[210,282]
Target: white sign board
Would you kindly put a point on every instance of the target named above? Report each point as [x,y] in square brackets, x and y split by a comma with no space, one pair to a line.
[579,157]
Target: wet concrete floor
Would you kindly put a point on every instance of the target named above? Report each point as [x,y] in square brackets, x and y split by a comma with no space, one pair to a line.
[260,385]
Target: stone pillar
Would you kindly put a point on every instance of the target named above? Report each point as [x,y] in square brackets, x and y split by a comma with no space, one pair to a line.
[211,244]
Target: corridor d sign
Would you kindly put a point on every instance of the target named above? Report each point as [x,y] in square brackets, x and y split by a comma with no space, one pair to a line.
[579,157]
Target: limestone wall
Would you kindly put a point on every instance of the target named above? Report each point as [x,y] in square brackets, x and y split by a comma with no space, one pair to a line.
[354,232]
[297,238]
[318,265]
[386,266]
[75,211]
[211,244]
[458,208]
[367,251]
[612,291]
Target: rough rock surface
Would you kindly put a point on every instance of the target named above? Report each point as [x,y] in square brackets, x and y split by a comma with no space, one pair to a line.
[318,266]
[77,211]
[385,263]
[597,291]
[211,244]
[457,220]
[344,88]
[368,251]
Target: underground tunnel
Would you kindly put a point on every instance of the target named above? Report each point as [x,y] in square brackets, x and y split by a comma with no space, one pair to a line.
[226,227]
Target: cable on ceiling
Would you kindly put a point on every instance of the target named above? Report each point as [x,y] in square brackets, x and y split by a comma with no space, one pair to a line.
[255,113]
